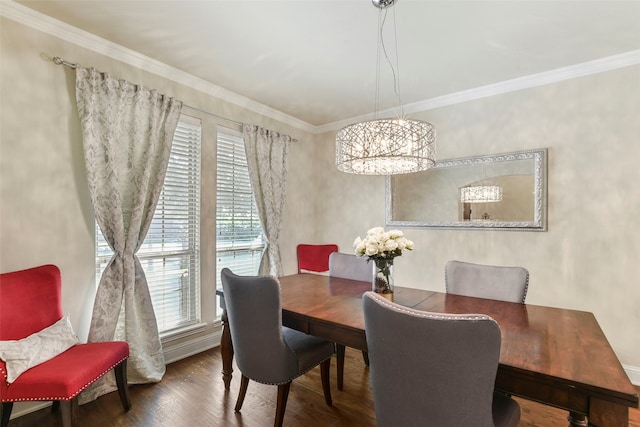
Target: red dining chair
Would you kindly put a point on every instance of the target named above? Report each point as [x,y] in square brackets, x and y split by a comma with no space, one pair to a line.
[314,258]
[30,302]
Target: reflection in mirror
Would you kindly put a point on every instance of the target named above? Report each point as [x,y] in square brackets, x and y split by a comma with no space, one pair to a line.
[504,191]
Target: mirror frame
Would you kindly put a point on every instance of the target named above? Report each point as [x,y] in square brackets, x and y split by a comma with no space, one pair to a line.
[539,222]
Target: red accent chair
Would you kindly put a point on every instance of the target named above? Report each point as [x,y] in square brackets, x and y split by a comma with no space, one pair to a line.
[314,257]
[29,302]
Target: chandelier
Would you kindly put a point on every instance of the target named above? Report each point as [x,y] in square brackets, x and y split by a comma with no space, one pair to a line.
[386,146]
[481,194]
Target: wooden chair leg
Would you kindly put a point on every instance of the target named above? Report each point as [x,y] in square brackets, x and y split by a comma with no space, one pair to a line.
[123,388]
[244,383]
[365,357]
[5,413]
[340,361]
[325,368]
[69,412]
[283,395]
[55,406]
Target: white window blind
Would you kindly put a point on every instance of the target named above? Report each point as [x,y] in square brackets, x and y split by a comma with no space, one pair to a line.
[170,254]
[239,237]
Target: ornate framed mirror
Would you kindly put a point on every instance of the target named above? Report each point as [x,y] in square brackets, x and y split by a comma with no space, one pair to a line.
[503,191]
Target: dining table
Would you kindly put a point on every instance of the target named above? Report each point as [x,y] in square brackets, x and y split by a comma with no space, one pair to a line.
[555,356]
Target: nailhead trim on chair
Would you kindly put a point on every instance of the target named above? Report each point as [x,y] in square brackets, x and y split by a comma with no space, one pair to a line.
[292,378]
[429,314]
[29,399]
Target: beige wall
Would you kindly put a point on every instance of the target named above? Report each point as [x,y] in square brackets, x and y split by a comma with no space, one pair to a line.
[45,210]
[589,259]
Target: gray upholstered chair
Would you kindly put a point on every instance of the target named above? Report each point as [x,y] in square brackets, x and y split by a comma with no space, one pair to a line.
[266,351]
[434,369]
[348,266]
[487,281]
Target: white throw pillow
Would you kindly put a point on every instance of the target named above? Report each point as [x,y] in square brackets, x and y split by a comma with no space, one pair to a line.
[37,348]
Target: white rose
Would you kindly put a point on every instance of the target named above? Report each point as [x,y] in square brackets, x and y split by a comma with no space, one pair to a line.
[391,245]
[395,234]
[409,245]
[375,231]
[371,249]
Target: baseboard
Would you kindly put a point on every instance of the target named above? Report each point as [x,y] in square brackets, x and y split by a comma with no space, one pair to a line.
[175,352]
[24,408]
[633,372]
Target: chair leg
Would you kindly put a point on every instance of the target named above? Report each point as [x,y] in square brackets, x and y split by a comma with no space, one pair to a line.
[340,360]
[283,395]
[69,412]
[365,357]
[325,368]
[123,388]
[5,413]
[244,383]
[55,406]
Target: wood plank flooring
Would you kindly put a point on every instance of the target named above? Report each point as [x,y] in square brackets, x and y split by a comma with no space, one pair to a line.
[192,395]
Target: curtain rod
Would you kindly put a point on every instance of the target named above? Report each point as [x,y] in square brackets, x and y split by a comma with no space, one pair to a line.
[59,61]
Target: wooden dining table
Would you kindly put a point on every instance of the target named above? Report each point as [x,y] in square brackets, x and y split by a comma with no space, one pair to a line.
[554,356]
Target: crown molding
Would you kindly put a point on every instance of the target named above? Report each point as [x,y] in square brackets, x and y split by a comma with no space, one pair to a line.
[46,24]
[51,26]
[601,65]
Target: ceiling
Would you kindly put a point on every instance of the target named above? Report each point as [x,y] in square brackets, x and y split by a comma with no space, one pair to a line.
[315,60]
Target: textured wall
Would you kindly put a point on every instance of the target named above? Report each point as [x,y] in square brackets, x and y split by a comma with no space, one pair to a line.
[588,258]
[45,209]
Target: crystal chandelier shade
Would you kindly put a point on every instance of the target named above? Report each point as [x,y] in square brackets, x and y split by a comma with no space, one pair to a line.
[481,194]
[386,147]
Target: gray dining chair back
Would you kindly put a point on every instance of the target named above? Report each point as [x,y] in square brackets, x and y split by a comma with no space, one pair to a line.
[266,351]
[349,266]
[434,369]
[352,267]
[487,281]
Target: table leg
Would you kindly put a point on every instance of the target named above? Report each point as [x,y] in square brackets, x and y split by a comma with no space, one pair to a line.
[226,351]
[340,350]
[577,420]
[601,414]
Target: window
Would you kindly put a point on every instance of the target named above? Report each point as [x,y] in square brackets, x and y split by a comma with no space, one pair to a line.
[239,238]
[170,254]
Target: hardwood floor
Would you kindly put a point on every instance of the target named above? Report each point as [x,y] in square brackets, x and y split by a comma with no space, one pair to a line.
[192,395]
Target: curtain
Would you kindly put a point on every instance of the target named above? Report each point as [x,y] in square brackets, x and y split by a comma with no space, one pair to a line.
[267,152]
[127,132]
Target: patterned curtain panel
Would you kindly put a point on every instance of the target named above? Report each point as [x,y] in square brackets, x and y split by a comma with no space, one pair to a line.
[267,153]
[127,132]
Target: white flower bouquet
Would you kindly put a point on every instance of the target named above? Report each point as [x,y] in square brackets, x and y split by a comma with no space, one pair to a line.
[380,244]
[382,247]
